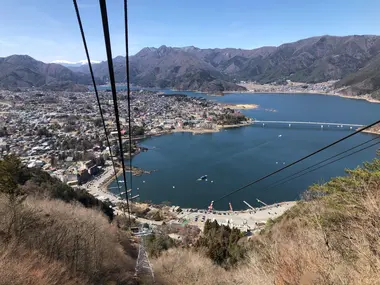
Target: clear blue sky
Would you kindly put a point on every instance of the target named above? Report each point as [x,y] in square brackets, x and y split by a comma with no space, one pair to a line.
[47,29]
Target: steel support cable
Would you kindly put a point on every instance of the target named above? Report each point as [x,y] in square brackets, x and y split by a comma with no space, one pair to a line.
[128,89]
[297,161]
[95,89]
[278,182]
[335,160]
[103,10]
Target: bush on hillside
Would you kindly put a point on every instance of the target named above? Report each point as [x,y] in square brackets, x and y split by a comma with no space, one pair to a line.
[155,244]
[221,244]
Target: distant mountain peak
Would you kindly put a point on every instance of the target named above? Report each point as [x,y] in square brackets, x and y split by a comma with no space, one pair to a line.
[19,57]
[73,63]
[189,48]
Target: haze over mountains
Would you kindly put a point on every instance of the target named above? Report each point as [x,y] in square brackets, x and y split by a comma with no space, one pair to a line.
[354,60]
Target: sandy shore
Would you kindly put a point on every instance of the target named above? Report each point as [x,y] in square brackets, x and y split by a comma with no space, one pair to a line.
[241,106]
[363,97]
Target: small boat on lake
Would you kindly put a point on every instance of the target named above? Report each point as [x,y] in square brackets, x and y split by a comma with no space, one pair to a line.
[204,177]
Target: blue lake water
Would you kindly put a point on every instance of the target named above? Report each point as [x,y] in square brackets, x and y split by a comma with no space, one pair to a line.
[234,157]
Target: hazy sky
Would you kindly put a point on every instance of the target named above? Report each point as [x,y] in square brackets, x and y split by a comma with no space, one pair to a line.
[47,29]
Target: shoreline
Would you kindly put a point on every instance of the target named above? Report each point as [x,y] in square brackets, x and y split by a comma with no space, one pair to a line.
[249,219]
[109,179]
[362,97]
[216,130]
[372,132]
[241,106]
[252,219]
[298,92]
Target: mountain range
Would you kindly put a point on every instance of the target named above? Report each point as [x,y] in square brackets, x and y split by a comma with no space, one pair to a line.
[22,71]
[351,60]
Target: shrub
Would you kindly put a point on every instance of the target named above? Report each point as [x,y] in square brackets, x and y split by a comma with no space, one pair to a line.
[155,244]
[221,244]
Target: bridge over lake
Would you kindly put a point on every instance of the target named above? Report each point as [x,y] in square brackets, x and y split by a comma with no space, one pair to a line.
[300,123]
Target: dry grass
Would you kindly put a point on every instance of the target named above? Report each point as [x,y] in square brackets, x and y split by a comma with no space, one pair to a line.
[187,267]
[19,267]
[81,239]
[332,240]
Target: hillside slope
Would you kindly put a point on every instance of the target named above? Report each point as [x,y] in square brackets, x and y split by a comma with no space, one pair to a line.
[315,59]
[48,237]
[364,81]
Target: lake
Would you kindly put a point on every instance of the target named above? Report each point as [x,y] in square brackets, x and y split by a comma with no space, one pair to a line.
[234,157]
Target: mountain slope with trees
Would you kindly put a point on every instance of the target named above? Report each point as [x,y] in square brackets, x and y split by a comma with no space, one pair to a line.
[311,60]
[364,81]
